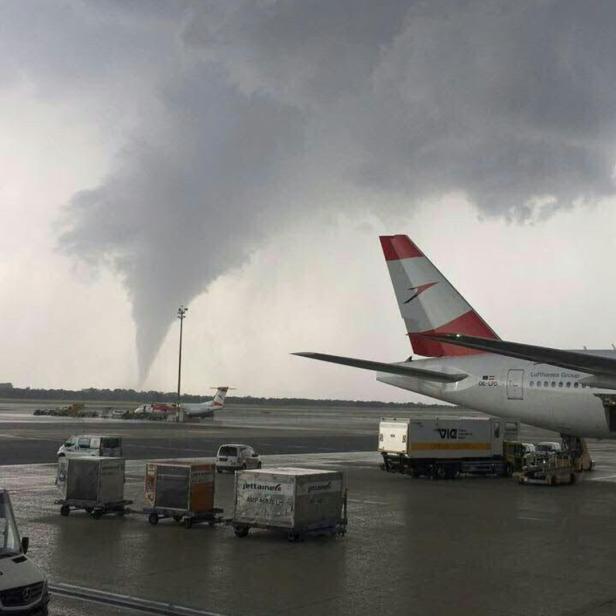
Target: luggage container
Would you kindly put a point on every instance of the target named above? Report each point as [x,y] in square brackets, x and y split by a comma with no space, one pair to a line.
[95,484]
[299,501]
[443,447]
[182,490]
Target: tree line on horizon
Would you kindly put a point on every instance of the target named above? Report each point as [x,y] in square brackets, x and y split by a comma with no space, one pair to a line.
[93,394]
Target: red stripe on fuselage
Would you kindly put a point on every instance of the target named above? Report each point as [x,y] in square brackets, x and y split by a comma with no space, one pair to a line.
[396,247]
[470,323]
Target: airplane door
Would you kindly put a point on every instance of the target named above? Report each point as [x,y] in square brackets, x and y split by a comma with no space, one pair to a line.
[515,385]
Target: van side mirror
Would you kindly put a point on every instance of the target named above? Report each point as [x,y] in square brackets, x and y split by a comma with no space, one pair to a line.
[25,544]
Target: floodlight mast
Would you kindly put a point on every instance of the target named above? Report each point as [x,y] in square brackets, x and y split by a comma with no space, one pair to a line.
[182,310]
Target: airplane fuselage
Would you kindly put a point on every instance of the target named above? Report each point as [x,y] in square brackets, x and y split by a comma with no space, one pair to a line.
[537,394]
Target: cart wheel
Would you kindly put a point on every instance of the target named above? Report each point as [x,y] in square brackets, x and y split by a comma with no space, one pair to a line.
[188,522]
[97,514]
[177,518]
[293,537]
[89,509]
[65,510]
[241,531]
[153,519]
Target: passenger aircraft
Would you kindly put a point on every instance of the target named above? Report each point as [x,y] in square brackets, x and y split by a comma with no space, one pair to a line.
[571,392]
[199,410]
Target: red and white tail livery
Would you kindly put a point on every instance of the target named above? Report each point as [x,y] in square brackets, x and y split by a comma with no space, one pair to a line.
[428,303]
[466,363]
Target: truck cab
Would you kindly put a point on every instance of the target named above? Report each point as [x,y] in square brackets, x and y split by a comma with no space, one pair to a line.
[23,586]
[91,445]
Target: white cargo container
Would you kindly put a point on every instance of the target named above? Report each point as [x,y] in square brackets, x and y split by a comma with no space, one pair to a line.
[297,500]
[95,484]
[442,446]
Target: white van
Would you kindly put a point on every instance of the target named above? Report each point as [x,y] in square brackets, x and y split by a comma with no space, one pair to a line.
[235,456]
[91,445]
[23,586]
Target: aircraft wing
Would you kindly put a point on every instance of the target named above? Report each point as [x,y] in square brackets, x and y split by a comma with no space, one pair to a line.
[377,366]
[572,360]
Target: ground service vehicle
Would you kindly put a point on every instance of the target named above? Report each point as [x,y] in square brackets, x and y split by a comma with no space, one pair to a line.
[547,468]
[92,445]
[548,447]
[236,456]
[23,586]
[443,447]
[514,453]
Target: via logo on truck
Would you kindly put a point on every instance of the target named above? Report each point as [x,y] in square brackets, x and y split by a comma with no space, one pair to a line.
[448,433]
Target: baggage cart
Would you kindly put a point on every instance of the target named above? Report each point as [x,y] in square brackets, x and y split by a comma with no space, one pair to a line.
[551,469]
[182,490]
[93,484]
[297,501]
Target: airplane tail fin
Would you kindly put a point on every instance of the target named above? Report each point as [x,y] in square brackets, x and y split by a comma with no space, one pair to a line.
[219,399]
[428,302]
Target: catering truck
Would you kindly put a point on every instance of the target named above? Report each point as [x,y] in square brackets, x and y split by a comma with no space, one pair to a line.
[23,587]
[443,447]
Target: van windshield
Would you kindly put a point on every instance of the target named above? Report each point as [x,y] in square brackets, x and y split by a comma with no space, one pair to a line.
[9,542]
[227,451]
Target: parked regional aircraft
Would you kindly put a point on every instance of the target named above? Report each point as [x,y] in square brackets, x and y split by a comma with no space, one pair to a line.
[571,392]
[198,410]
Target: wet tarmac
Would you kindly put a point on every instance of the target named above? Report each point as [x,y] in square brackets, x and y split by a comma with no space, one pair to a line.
[464,547]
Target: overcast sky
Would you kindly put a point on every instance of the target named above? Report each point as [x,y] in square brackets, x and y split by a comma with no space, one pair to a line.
[242,157]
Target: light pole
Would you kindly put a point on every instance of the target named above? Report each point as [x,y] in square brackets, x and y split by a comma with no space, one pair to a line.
[181,314]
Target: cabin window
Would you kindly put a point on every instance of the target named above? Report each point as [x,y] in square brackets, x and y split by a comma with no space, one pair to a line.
[553,383]
[560,383]
[545,384]
[538,383]
[576,385]
[532,383]
[568,384]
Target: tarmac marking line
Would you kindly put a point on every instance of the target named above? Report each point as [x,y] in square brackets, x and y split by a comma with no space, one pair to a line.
[146,606]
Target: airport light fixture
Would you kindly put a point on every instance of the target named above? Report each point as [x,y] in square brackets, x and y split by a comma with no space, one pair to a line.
[182,310]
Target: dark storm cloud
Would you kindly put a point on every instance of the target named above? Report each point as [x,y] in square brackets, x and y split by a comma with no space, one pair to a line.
[263,107]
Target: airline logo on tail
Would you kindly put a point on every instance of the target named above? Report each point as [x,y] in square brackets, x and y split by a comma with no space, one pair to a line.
[417,291]
[428,303]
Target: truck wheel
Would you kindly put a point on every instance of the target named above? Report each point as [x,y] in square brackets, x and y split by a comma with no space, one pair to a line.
[153,519]
[241,531]
[65,510]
